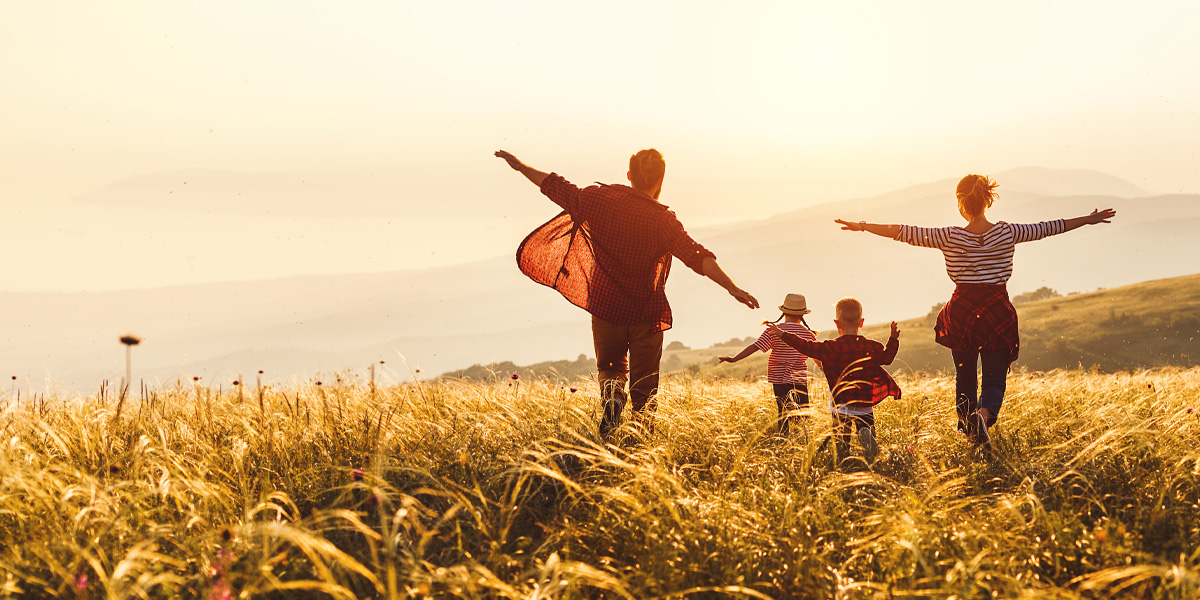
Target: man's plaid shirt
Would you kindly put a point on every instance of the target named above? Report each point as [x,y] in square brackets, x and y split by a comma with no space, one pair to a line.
[853,367]
[610,251]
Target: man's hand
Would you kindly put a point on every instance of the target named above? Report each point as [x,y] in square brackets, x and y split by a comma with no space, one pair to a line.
[533,175]
[895,330]
[510,159]
[744,297]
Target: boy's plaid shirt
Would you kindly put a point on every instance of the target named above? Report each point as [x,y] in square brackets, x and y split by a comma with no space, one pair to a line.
[853,367]
[610,251]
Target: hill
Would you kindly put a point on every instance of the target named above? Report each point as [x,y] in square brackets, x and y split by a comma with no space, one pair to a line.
[1144,325]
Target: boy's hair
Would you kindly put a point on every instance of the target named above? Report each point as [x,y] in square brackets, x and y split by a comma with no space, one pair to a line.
[975,193]
[646,168]
[848,310]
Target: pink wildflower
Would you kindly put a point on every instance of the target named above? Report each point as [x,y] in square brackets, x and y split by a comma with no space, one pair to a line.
[80,582]
[515,376]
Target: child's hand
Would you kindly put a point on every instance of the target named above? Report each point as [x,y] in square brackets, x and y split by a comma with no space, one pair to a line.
[895,330]
[725,359]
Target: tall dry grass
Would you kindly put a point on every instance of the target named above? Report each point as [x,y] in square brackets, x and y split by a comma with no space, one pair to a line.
[464,490]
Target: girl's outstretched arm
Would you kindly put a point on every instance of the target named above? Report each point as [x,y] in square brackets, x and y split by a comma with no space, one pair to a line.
[1098,216]
[887,231]
[751,349]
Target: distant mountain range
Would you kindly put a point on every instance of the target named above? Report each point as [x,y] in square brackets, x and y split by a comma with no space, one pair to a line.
[442,319]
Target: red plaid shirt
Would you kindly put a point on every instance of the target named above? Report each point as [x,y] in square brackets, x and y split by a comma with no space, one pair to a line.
[853,367]
[609,252]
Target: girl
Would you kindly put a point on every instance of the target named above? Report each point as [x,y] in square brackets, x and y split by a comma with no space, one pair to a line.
[979,323]
[787,369]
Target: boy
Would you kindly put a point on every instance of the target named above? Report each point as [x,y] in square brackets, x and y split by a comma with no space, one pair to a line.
[853,367]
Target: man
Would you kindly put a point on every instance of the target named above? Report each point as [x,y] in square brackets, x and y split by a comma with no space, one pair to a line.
[609,252]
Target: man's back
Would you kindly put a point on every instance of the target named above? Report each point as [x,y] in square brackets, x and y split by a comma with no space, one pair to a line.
[629,239]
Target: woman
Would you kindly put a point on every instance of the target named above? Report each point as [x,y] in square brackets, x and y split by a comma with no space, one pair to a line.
[979,322]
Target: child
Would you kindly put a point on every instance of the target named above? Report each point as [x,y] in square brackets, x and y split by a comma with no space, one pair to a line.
[853,366]
[787,369]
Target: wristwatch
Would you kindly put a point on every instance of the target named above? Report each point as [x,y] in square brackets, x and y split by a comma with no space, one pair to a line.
[862,225]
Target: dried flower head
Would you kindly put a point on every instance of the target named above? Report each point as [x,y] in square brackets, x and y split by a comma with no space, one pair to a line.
[130,340]
[226,534]
[196,378]
[260,371]
[573,390]
[356,475]
[237,382]
[515,376]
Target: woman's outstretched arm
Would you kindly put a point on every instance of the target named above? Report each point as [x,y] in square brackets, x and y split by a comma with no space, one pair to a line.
[1098,216]
[888,231]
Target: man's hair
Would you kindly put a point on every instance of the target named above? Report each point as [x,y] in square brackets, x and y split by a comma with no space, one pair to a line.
[976,193]
[848,310]
[646,169]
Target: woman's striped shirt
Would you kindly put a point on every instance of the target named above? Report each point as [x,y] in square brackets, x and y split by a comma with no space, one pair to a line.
[979,257]
[786,364]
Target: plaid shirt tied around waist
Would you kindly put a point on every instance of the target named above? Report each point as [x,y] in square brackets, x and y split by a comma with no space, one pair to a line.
[979,317]
[609,251]
[853,367]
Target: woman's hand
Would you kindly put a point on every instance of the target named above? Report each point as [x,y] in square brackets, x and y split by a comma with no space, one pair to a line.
[851,225]
[1101,216]
[775,329]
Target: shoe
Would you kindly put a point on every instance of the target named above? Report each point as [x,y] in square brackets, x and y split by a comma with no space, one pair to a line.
[977,430]
[611,418]
[870,448]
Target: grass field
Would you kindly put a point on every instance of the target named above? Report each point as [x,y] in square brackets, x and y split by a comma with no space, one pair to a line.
[469,490]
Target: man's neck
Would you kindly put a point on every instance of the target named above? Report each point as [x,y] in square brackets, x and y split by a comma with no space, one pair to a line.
[653,193]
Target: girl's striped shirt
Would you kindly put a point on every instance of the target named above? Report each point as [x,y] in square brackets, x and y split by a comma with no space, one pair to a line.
[786,364]
[979,257]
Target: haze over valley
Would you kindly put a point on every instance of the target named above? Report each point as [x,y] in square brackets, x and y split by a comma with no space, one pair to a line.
[442,318]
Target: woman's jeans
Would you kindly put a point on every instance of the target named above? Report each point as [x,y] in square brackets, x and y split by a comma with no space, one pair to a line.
[995,369]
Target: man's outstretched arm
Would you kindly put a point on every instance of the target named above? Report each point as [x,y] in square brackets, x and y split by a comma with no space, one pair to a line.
[714,272]
[529,172]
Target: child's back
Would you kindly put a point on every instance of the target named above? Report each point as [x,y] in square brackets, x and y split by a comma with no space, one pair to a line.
[853,367]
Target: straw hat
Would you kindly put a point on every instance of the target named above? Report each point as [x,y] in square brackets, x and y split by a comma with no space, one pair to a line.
[794,304]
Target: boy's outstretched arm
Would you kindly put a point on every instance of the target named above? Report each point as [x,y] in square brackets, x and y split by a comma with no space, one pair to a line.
[888,231]
[747,351]
[814,350]
[529,172]
[1098,216]
[892,346]
[714,272]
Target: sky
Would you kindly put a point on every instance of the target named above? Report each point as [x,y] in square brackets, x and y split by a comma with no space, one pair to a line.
[758,107]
